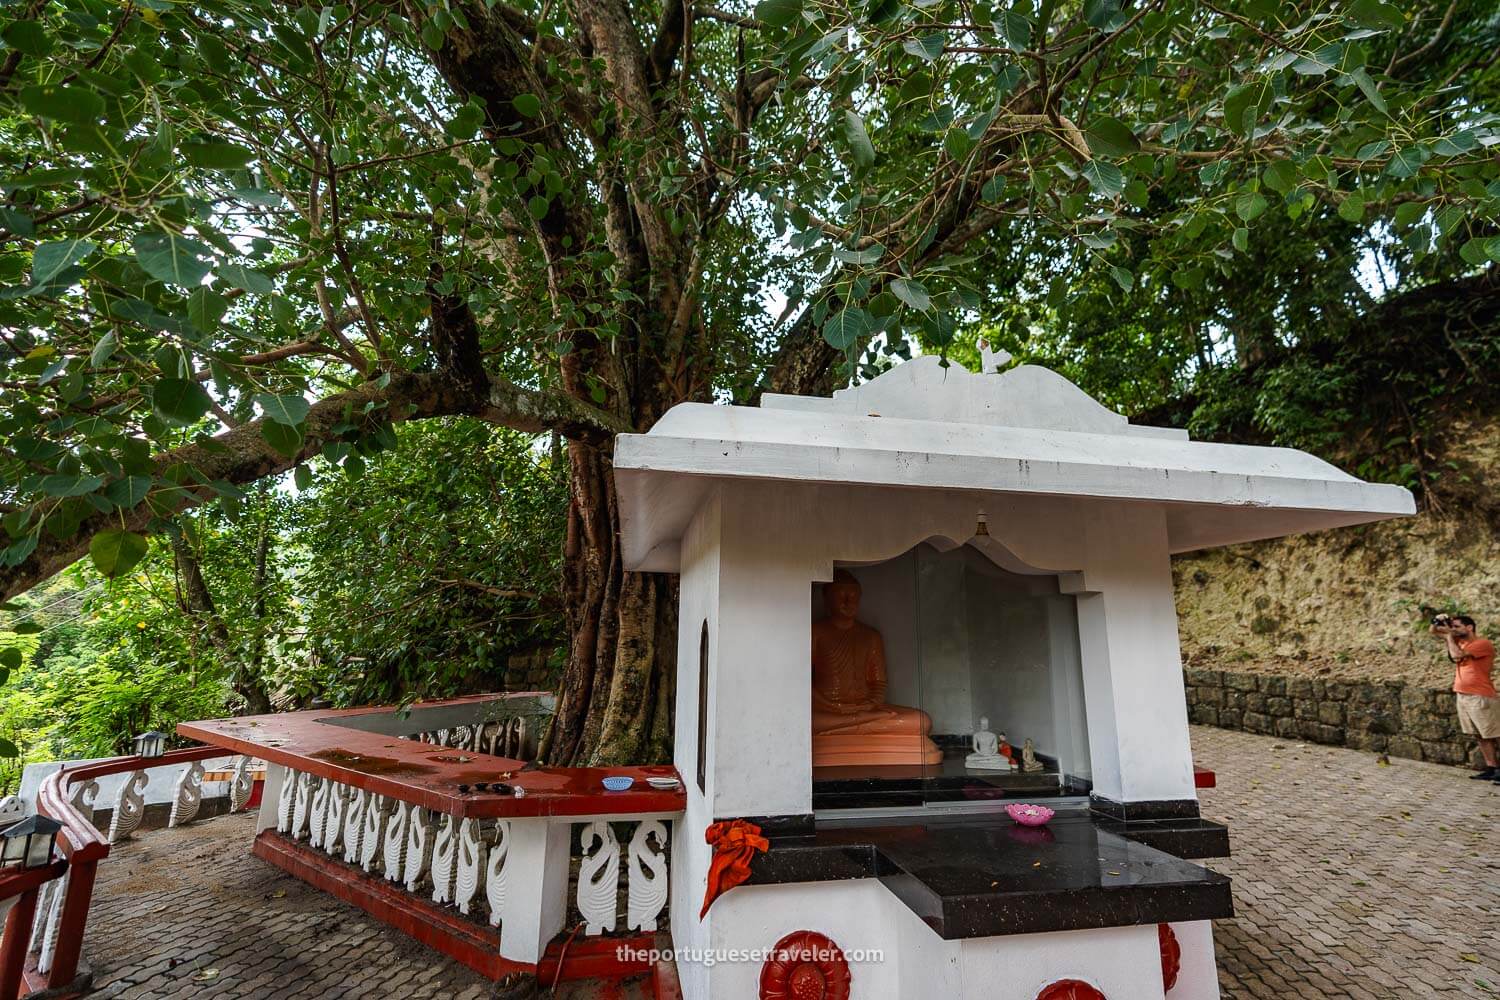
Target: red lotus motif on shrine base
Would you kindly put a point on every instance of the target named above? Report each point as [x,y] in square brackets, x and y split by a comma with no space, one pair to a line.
[1070,989]
[805,965]
[1171,955]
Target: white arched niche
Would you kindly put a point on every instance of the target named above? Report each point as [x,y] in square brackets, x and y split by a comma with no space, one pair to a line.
[972,631]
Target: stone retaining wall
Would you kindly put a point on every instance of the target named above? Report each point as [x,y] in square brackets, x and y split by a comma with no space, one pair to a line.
[1393,717]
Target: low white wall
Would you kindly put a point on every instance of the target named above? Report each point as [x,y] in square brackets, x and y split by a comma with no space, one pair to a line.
[861,915]
[161,788]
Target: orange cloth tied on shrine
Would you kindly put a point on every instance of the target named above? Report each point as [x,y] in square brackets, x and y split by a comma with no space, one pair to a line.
[735,842]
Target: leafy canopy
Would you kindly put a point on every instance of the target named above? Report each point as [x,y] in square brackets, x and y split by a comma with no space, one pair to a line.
[234,235]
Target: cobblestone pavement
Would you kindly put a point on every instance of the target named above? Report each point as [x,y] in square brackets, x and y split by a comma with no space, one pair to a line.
[1353,879]
[190,913]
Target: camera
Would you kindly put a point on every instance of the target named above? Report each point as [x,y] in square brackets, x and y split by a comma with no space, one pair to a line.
[1442,620]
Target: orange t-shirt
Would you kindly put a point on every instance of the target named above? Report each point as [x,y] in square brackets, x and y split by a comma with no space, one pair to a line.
[1473,676]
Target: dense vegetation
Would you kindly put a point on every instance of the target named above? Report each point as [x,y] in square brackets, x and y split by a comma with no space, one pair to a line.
[421,261]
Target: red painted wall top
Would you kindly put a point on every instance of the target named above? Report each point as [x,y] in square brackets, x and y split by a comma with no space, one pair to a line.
[430,775]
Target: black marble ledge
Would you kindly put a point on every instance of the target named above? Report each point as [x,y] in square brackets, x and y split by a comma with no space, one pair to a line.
[1152,809]
[1181,838]
[981,876]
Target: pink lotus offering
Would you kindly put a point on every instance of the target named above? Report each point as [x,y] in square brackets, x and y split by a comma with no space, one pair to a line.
[1028,815]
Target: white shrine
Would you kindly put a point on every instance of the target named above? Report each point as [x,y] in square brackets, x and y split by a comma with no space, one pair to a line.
[1010,538]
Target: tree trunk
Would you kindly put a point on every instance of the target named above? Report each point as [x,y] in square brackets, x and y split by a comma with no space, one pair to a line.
[615,700]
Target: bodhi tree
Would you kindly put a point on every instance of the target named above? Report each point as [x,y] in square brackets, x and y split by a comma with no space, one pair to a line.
[238,236]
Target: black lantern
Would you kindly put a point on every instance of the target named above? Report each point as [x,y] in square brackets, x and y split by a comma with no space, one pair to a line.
[150,744]
[29,842]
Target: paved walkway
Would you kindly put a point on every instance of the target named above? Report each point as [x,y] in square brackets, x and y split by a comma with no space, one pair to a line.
[1352,881]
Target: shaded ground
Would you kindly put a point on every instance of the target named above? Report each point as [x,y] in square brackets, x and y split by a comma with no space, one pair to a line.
[190,913]
[1352,881]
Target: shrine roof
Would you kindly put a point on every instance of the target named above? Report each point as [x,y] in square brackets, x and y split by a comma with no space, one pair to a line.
[1025,430]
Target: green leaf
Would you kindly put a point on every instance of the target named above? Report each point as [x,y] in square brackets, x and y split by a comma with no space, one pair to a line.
[912,292]
[1236,103]
[10,658]
[1015,29]
[8,749]
[1104,178]
[1408,213]
[1367,87]
[859,140]
[70,485]
[303,477]
[129,491]
[846,328]
[527,105]
[51,259]
[1099,13]
[1480,251]
[245,278]
[104,349]
[778,13]
[993,188]
[928,47]
[1241,239]
[1406,162]
[115,551]
[56,102]
[1250,205]
[205,307]
[217,155]
[179,401]
[28,37]
[1110,137]
[1122,277]
[171,258]
[1375,14]
[1352,208]
[537,206]
[290,410]
[287,441]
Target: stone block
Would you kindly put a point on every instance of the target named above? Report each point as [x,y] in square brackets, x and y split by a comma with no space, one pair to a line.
[1336,691]
[1240,682]
[1333,735]
[1306,709]
[1356,739]
[1204,678]
[1299,687]
[1444,752]
[1372,720]
[1286,728]
[1404,746]
[1255,701]
[1273,685]
[1204,715]
[1230,718]
[1255,722]
[1211,696]
[1431,727]
[1234,700]
[1279,707]
[1331,713]
[1307,729]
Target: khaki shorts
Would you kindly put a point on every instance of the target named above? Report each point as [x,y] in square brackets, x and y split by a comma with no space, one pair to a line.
[1479,716]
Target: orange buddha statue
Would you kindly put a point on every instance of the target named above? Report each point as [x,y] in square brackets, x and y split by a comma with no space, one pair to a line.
[851,720]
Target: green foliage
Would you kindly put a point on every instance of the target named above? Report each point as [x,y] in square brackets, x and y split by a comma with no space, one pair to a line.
[421,578]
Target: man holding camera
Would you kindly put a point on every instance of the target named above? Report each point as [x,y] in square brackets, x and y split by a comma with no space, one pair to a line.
[1478,707]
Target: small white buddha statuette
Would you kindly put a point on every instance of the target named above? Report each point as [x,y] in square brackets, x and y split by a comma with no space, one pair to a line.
[986,746]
